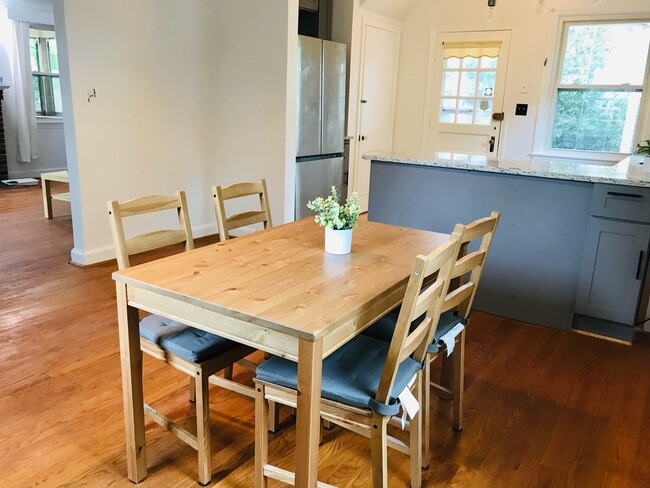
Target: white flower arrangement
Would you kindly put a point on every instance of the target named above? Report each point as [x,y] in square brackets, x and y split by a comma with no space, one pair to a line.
[332,215]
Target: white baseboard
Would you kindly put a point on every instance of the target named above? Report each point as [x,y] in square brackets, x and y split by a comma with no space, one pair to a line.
[33,173]
[106,253]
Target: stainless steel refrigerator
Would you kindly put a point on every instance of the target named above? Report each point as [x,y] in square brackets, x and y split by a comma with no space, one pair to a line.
[321,119]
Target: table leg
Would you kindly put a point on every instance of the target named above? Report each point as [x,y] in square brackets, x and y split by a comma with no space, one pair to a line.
[310,365]
[47,198]
[131,361]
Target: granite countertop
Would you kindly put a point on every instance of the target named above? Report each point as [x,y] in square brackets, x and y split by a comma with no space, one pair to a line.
[626,172]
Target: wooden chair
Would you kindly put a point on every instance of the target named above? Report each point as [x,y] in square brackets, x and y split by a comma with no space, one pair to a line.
[455,310]
[227,223]
[192,351]
[239,190]
[365,365]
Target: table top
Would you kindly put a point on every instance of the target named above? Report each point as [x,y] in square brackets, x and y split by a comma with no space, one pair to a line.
[283,279]
[629,171]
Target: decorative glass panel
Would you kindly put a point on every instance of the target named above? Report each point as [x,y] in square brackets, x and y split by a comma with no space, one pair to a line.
[450,84]
[488,63]
[465,111]
[448,110]
[452,63]
[483,112]
[487,81]
[468,83]
[470,63]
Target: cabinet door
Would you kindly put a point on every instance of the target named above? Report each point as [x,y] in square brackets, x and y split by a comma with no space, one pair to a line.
[613,267]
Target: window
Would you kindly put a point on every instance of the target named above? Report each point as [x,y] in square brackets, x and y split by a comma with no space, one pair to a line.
[599,85]
[45,72]
[468,83]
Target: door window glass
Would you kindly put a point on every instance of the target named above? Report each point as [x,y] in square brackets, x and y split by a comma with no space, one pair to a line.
[469,77]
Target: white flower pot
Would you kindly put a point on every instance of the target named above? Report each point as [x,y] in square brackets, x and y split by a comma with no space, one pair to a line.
[338,241]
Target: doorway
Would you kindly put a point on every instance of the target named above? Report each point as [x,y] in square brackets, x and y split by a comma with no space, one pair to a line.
[379,59]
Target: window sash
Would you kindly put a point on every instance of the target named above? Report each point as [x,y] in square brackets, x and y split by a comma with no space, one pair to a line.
[45,76]
[625,87]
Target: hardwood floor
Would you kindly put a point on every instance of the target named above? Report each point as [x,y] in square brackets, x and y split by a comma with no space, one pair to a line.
[543,408]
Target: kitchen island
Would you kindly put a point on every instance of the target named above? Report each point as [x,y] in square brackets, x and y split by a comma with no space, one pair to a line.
[572,245]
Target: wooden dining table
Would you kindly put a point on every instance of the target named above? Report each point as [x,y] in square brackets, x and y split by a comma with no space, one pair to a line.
[275,290]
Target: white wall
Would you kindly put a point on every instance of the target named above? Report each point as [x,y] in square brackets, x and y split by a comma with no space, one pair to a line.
[51,143]
[529,48]
[189,94]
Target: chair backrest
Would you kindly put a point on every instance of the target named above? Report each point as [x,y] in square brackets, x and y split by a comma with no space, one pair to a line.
[469,267]
[151,240]
[419,300]
[238,190]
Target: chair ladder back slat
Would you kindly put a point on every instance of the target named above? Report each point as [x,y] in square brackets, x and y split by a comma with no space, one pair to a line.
[459,295]
[473,263]
[415,338]
[151,240]
[238,190]
[151,203]
[246,218]
[154,240]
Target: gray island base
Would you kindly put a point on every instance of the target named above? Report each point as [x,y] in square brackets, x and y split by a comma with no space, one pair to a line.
[567,254]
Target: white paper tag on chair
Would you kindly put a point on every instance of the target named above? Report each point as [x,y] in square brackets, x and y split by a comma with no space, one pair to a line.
[450,338]
[410,405]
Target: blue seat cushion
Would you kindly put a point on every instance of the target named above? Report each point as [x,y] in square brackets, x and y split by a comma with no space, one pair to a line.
[383,329]
[191,344]
[351,374]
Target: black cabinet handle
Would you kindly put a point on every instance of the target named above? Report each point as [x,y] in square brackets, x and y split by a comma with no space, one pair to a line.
[638,265]
[618,194]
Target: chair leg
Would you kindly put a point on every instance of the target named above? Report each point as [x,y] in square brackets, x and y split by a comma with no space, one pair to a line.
[378,450]
[203,427]
[227,372]
[192,390]
[415,438]
[261,436]
[426,413]
[274,417]
[458,358]
[446,372]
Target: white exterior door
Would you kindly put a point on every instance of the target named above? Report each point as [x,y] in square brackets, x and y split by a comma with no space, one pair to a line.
[380,52]
[469,73]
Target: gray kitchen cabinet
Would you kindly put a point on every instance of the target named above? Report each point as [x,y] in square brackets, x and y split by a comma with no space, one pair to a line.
[614,262]
[613,269]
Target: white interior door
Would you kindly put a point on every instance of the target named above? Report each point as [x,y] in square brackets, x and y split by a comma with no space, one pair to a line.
[469,74]
[380,52]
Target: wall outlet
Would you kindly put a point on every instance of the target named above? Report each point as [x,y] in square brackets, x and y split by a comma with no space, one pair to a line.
[521,109]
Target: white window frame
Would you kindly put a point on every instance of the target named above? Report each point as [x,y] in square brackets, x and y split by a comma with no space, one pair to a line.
[546,113]
[47,101]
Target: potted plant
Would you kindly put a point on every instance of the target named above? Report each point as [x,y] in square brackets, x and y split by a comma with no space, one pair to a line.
[338,220]
[643,147]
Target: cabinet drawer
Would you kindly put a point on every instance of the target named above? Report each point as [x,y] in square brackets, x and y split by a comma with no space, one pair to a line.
[621,202]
